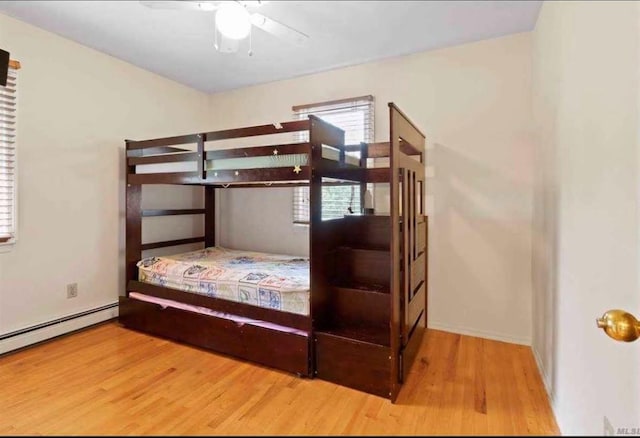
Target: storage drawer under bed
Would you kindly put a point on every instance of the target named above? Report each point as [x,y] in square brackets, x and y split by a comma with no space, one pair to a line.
[273,348]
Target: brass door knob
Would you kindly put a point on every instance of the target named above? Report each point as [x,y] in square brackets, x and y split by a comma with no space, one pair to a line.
[620,325]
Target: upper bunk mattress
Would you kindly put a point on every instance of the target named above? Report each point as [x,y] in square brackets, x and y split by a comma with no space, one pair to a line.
[272,281]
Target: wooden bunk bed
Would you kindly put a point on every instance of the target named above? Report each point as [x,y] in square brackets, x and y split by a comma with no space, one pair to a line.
[367,286]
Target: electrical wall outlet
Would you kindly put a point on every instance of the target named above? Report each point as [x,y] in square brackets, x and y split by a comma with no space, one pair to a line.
[72,290]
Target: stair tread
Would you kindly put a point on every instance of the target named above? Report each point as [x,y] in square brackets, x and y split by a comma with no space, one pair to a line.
[363,333]
[363,287]
[367,216]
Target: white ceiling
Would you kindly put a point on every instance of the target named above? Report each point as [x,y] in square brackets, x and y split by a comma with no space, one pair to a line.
[178,44]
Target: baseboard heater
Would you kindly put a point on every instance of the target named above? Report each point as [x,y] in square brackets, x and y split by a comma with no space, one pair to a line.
[57,327]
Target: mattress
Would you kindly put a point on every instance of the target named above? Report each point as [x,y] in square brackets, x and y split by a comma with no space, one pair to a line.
[284,160]
[272,281]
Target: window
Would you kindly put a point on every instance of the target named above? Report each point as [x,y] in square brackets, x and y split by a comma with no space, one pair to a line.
[355,117]
[8,104]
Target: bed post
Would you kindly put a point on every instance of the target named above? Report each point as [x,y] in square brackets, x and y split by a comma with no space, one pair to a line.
[394,295]
[201,156]
[322,235]
[209,197]
[316,254]
[209,216]
[408,244]
[133,226]
[364,155]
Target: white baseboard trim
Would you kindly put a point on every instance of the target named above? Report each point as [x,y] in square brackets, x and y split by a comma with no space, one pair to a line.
[543,373]
[42,332]
[547,385]
[479,333]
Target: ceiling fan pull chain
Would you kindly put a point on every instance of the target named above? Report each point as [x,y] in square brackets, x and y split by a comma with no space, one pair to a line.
[251,41]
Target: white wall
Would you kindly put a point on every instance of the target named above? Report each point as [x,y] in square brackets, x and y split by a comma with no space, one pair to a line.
[76,107]
[586,210]
[474,104]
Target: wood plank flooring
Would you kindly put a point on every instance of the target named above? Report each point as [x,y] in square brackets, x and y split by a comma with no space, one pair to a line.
[108,380]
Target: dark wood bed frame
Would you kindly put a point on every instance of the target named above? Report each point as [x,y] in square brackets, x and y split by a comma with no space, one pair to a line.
[368,273]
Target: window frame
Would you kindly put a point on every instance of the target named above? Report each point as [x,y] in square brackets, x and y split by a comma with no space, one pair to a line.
[8,243]
[300,112]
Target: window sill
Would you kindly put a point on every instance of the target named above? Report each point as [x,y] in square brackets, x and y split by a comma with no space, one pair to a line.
[7,246]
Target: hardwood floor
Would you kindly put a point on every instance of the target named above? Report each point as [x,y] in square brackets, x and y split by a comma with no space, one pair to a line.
[108,380]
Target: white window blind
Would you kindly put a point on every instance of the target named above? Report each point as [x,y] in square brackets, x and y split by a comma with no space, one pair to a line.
[355,116]
[8,107]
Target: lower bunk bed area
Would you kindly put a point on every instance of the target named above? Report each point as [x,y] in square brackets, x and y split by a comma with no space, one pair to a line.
[197,297]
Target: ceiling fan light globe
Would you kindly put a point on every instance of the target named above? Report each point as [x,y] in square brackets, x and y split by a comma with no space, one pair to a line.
[232,21]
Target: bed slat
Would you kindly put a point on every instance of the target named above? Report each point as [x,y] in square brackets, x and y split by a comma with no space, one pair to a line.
[154,245]
[167,141]
[243,152]
[259,151]
[151,213]
[166,158]
[252,131]
[224,176]
[164,178]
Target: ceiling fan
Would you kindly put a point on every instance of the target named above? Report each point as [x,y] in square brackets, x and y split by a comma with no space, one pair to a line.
[233,21]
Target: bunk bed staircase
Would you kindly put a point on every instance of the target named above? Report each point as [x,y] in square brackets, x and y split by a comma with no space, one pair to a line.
[374,273]
[353,346]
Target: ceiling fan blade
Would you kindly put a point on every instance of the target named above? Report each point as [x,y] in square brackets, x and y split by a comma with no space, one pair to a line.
[278,29]
[182,4]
